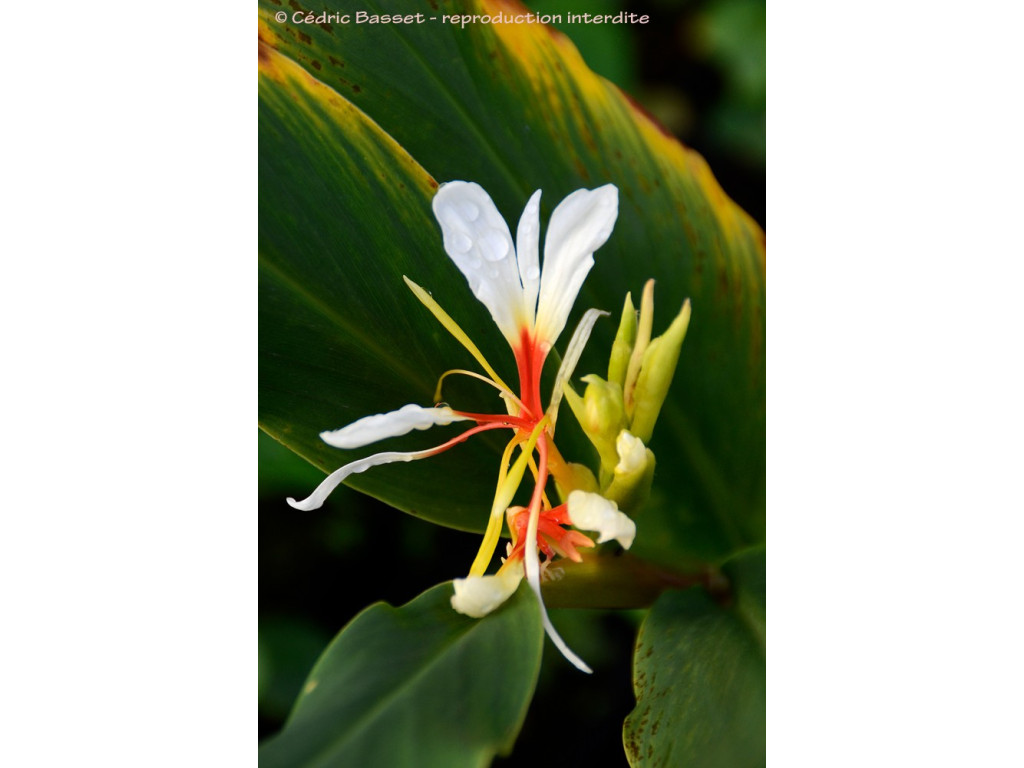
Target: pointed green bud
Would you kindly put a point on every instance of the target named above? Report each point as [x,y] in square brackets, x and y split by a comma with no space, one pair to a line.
[659,365]
[633,475]
[578,478]
[601,416]
[622,347]
[643,338]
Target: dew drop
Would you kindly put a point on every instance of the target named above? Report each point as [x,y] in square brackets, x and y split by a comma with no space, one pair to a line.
[532,272]
[461,242]
[493,245]
[442,404]
[469,211]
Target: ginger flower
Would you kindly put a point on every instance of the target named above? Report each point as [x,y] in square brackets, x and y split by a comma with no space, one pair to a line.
[530,306]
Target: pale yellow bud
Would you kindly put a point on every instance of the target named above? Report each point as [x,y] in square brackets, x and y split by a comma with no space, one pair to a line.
[659,365]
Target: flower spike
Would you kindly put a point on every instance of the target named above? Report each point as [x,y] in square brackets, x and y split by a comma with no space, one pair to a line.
[530,306]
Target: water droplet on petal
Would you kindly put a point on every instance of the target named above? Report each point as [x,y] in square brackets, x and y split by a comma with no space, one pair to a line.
[494,245]
[461,242]
[532,272]
[469,211]
[474,262]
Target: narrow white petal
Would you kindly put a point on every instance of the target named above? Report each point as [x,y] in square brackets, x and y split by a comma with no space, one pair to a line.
[632,453]
[477,596]
[370,429]
[580,225]
[532,562]
[572,356]
[333,480]
[477,239]
[528,254]
[591,512]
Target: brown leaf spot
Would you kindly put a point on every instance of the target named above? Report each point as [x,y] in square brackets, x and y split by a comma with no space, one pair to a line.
[582,169]
[316,64]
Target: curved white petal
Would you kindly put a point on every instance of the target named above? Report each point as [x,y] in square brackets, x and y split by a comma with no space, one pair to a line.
[528,254]
[477,239]
[532,562]
[580,225]
[632,453]
[591,512]
[370,429]
[572,356]
[477,596]
[333,480]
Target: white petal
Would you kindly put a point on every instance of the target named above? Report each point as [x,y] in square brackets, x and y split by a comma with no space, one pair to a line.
[591,512]
[532,564]
[477,239]
[370,429]
[580,225]
[528,254]
[632,453]
[572,356]
[333,480]
[477,596]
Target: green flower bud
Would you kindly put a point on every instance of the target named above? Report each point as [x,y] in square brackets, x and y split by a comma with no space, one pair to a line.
[622,347]
[578,478]
[600,414]
[643,338]
[659,365]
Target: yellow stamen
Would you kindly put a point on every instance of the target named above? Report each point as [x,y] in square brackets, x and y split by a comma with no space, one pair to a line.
[506,393]
[453,328]
[508,484]
[493,532]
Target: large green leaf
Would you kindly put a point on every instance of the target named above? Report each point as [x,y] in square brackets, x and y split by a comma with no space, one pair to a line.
[358,123]
[699,677]
[417,685]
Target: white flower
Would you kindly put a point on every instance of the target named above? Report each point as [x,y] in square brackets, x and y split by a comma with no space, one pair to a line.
[530,306]
[508,281]
[632,453]
[591,512]
[477,596]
